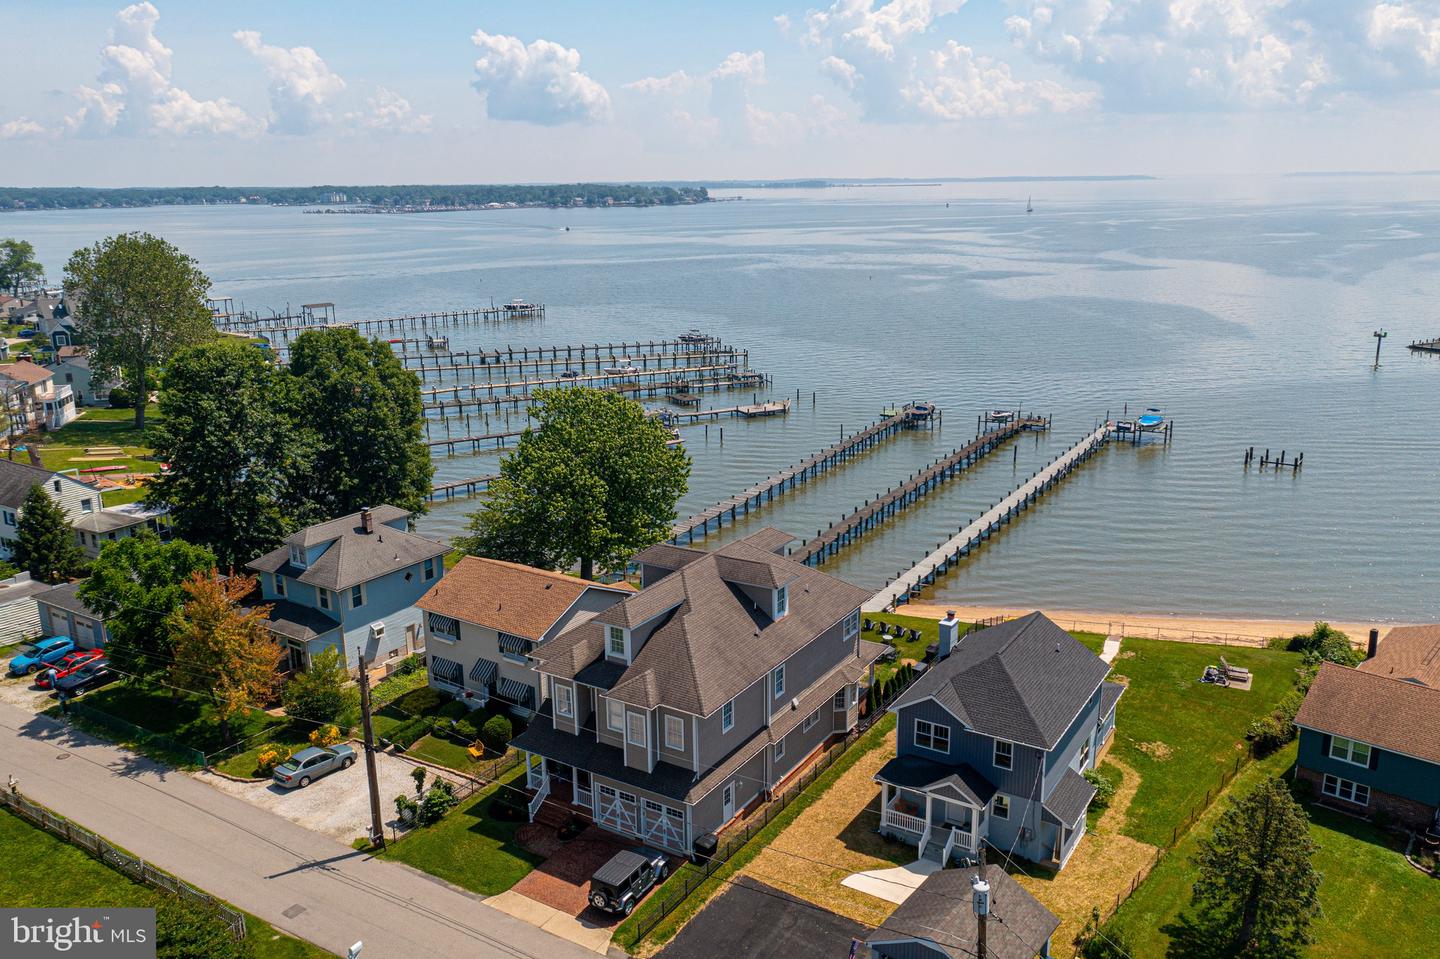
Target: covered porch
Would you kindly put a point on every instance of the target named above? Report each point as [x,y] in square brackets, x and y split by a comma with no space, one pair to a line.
[942,810]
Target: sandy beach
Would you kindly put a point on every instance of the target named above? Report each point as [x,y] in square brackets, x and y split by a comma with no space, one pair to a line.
[1248,631]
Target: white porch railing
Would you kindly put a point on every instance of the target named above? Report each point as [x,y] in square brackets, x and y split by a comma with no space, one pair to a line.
[582,797]
[541,795]
[905,821]
[964,841]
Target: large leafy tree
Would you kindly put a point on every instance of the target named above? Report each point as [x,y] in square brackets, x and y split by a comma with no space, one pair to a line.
[18,266]
[1258,890]
[44,542]
[364,410]
[593,482]
[221,648]
[141,300]
[136,583]
[239,477]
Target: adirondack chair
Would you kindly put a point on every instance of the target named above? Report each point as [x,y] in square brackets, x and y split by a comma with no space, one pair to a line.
[1237,673]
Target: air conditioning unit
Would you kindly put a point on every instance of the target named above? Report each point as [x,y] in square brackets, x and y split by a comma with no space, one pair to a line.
[377,632]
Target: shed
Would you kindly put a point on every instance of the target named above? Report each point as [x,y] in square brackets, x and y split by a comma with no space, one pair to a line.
[19,614]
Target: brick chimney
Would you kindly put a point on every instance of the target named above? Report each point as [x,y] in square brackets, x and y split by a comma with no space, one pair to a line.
[949,635]
[1374,646]
[367,520]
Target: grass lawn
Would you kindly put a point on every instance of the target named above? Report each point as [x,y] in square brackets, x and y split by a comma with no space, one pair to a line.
[294,735]
[468,847]
[443,752]
[1180,735]
[626,934]
[100,426]
[44,871]
[188,720]
[1374,903]
[930,633]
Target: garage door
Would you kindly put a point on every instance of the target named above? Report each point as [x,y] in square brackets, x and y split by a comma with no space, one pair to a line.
[615,809]
[84,633]
[663,825]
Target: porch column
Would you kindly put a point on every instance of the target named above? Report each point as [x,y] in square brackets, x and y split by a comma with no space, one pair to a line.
[884,801]
[929,802]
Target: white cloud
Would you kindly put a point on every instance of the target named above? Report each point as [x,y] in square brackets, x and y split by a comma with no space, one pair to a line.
[671,83]
[841,71]
[963,86]
[878,30]
[21,128]
[749,67]
[134,93]
[536,83]
[1401,29]
[302,86]
[389,112]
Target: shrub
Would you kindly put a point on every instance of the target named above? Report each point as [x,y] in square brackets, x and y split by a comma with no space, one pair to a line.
[406,808]
[497,733]
[409,665]
[418,701]
[121,398]
[409,732]
[1326,643]
[318,694]
[1271,732]
[467,727]
[1105,788]
[439,799]
[325,736]
[454,709]
[271,756]
[185,929]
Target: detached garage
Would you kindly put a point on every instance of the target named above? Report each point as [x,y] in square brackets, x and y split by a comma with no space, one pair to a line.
[63,614]
[19,615]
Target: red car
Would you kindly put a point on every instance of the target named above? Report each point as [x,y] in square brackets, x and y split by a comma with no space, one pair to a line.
[68,664]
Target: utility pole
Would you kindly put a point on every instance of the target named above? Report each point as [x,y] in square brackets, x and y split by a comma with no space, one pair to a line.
[981,903]
[1379,338]
[377,827]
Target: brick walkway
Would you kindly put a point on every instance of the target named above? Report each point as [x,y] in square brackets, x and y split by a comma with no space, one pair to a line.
[562,881]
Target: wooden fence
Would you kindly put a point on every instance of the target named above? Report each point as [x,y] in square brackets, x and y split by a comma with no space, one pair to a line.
[137,869]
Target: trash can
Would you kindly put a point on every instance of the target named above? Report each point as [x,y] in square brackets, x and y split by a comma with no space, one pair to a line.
[705,847]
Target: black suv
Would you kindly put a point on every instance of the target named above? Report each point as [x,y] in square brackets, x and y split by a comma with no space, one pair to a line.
[622,882]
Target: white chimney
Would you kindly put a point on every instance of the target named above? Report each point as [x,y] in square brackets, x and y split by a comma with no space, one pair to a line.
[949,635]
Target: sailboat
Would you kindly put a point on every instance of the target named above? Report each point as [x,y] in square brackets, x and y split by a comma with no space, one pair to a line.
[1029,207]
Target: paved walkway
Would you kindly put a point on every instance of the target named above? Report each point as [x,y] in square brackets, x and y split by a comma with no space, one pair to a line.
[895,884]
[1111,649]
[302,882]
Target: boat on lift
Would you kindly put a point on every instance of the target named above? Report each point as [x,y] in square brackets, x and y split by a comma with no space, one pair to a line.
[624,368]
[1000,416]
[694,336]
[1151,419]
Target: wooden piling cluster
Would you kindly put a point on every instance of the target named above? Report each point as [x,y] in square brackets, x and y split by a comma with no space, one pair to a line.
[876,512]
[1279,462]
[767,490]
[909,584]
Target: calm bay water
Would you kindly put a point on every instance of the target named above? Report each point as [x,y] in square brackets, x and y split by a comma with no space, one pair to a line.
[1243,308]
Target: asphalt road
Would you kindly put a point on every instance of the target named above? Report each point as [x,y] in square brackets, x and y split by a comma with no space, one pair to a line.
[301,881]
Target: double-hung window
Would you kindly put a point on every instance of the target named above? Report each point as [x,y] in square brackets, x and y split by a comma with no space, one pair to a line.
[1004,754]
[615,642]
[357,595]
[777,680]
[727,716]
[429,570]
[932,736]
[324,595]
[782,601]
[1350,751]
[1357,793]
[852,625]
[564,701]
[279,585]
[1000,807]
[810,721]
[297,556]
[780,750]
[635,728]
[615,715]
[674,733]
[839,701]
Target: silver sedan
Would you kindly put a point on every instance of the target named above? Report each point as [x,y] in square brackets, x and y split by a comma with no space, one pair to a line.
[311,763]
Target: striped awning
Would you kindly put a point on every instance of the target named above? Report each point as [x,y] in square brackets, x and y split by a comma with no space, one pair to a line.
[514,645]
[444,625]
[483,671]
[445,670]
[515,691]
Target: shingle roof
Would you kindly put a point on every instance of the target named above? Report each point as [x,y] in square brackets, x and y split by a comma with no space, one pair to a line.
[770,539]
[1024,681]
[355,556]
[1110,694]
[14,588]
[963,782]
[940,911]
[116,517]
[64,597]
[1069,799]
[16,480]
[290,619]
[508,596]
[328,530]
[1393,714]
[712,642]
[1408,652]
[667,556]
[23,371]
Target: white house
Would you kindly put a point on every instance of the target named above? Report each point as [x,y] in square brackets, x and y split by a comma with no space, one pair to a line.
[75,498]
[34,399]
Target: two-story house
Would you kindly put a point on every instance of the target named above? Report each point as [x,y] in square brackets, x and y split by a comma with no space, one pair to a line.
[673,710]
[992,742]
[72,368]
[351,583]
[1370,737]
[485,618]
[33,399]
[78,500]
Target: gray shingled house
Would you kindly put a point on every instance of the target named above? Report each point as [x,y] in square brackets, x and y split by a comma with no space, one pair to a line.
[668,713]
[993,741]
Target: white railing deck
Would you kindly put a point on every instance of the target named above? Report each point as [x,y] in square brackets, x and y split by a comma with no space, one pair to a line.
[905,821]
[963,840]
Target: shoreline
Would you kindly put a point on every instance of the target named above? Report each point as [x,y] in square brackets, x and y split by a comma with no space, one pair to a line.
[1153,625]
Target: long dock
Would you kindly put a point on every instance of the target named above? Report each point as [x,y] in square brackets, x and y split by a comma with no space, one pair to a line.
[768,489]
[642,361]
[909,584]
[459,489]
[876,512]
[503,387]
[286,324]
[1426,346]
[746,411]
[749,379]
[567,352]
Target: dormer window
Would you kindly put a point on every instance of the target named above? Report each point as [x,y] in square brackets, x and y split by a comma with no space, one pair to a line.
[782,601]
[297,557]
[617,643]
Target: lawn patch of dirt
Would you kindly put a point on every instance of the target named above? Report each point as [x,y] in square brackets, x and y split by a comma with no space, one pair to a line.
[1157,751]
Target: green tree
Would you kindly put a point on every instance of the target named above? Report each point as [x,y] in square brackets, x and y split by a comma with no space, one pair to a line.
[1258,890]
[239,477]
[44,542]
[364,410]
[1328,644]
[320,693]
[593,482]
[136,583]
[18,266]
[141,300]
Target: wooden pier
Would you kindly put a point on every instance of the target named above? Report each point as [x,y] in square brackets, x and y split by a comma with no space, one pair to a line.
[566,353]
[503,387]
[733,381]
[642,361]
[284,326]
[767,490]
[747,411]
[876,512]
[460,489]
[909,584]
[1426,346]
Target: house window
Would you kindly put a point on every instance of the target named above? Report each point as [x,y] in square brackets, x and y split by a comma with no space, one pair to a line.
[839,702]
[1345,789]
[615,715]
[279,585]
[9,518]
[1004,754]
[674,733]
[297,557]
[852,625]
[87,505]
[635,729]
[56,485]
[357,596]
[727,716]
[932,736]
[780,750]
[810,721]
[616,641]
[1084,759]
[1001,807]
[429,570]
[782,601]
[1350,751]
[324,595]
[777,680]
[564,701]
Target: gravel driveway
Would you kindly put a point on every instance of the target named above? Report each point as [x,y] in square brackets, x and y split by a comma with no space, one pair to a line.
[20,691]
[337,805]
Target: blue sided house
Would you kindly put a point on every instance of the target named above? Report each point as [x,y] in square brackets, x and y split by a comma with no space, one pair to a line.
[992,742]
[351,583]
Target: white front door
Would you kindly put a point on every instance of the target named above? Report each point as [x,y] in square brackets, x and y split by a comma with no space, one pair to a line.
[727,802]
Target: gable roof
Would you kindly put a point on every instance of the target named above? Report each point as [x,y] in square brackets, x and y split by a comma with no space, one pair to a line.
[1411,653]
[16,480]
[1393,714]
[667,555]
[710,642]
[23,371]
[66,597]
[354,556]
[939,910]
[1025,681]
[509,597]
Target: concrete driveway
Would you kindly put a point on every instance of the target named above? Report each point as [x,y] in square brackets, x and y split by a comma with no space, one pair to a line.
[337,805]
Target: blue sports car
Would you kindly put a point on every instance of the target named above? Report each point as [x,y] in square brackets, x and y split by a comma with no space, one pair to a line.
[35,656]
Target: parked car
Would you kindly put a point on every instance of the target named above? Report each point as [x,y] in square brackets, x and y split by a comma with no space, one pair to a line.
[35,656]
[311,763]
[68,663]
[97,672]
[620,884]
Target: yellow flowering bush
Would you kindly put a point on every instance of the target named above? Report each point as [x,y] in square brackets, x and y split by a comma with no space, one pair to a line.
[325,736]
[270,757]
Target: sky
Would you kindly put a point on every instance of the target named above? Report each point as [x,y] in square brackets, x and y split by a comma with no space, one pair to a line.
[282,93]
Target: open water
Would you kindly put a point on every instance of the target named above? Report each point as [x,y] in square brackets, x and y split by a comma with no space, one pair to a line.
[1243,308]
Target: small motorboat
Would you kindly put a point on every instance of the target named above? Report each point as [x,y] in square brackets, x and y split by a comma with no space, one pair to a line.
[1000,416]
[694,336]
[921,411]
[624,370]
[1151,419]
